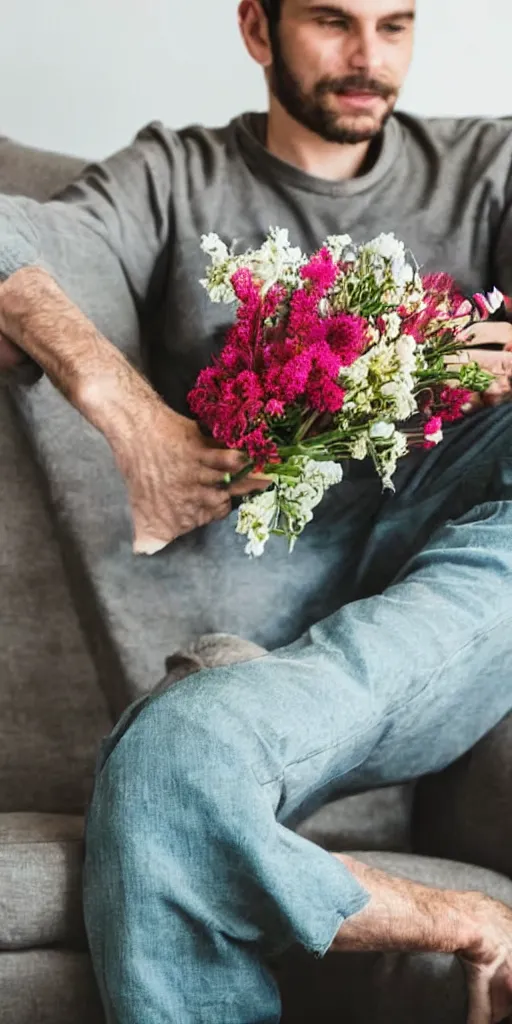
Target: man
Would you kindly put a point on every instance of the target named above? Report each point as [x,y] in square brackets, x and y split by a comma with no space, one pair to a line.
[192,878]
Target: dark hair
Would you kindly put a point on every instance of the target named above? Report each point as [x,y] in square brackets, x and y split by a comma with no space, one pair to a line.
[272,9]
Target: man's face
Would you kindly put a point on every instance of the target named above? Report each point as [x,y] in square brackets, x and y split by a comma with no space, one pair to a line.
[338,66]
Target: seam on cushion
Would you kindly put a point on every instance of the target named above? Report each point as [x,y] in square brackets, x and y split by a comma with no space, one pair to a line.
[38,842]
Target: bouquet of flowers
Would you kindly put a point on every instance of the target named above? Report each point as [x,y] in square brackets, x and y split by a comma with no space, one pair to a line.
[340,355]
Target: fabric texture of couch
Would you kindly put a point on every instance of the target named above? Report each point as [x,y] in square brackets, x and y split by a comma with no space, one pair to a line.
[82,634]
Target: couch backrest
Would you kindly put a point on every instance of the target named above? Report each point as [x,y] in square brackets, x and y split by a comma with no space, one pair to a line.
[32,172]
[52,712]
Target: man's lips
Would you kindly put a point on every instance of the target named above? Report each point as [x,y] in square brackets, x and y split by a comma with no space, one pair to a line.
[358,99]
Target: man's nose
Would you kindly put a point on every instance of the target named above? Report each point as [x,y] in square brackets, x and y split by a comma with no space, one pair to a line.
[366,53]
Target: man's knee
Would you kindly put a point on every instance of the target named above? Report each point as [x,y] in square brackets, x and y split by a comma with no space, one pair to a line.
[182,761]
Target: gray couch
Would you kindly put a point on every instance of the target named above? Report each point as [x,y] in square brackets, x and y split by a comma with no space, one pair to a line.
[75,650]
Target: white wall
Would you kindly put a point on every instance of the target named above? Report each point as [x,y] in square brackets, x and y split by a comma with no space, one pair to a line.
[83,75]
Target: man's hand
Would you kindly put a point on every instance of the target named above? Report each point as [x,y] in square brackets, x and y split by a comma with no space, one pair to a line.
[488,962]
[403,916]
[176,478]
[497,362]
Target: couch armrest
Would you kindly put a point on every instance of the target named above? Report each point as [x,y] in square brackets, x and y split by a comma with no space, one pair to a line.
[465,812]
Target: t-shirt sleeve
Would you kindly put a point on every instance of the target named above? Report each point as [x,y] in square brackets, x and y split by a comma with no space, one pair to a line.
[106,234]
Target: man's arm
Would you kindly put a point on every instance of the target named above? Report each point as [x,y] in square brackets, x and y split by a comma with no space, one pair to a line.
[175,477]
[76,274]
[404,916]
[104,239]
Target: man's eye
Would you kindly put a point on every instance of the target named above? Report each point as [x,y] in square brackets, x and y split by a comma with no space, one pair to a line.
[333,23]
[393,30]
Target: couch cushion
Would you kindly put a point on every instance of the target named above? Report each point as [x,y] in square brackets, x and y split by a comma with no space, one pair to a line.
[48,987]
[40,881]
[34,172]
[379,820]
[52,712]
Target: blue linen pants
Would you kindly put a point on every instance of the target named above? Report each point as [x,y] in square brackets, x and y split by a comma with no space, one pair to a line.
[194,876]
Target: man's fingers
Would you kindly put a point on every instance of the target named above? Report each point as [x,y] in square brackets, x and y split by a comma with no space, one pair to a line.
[213,498]
[499,390]
[480,1007]
[212,477]
[497,363]
[488,333]
[249,484]
[224,460]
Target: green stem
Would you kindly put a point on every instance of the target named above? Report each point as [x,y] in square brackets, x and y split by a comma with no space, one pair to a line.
[306,426]
[242,473]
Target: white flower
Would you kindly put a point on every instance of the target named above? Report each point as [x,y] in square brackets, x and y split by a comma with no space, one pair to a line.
[222,292]
[256,518]
[493,301]
[402,272]
[404,402]
[289,505]
[382,431]
[406,350]
[328,472]
[299,496]
[276,260]
[387,246]
[387,458]
[359,448]
[393,325]
[337,244]
[215,248]
[358,372]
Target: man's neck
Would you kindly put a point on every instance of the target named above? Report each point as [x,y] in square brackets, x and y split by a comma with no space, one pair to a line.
[292,142]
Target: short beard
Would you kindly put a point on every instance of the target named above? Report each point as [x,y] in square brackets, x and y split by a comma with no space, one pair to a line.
[308,110]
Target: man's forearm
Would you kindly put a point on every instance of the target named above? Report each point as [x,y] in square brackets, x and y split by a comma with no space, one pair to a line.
[404,916]
[38,318]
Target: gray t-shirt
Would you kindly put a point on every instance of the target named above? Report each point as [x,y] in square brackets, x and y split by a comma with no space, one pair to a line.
[443,186]
[126,236]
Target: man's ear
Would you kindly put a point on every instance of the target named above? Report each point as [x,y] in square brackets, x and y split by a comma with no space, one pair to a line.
[254,27]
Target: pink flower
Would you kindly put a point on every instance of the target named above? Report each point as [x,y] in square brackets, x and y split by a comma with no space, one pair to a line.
[260,448]
[234,358]
[347,336]
[325,359]
[324,394]
[453,400]
[241,399]
[275,408]
[443,290]
[433,426]
[273,299]
[288,382]
[304,322]
[244,285]
[206,395]
[433,432]
[321,271]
